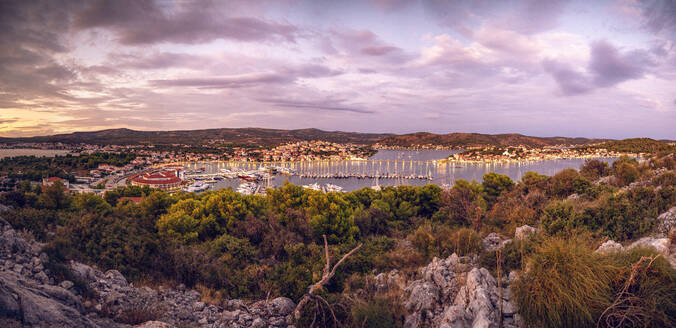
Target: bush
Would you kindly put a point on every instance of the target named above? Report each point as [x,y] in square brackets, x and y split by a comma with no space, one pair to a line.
[565,285]
[378,312]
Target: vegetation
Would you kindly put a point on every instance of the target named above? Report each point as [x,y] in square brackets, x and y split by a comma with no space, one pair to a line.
[635,146]
[236,246]
[35,168]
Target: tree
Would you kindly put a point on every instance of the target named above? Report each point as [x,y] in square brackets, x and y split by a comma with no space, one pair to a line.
[494,184]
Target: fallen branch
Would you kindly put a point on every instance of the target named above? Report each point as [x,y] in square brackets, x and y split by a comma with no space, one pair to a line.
[327,274]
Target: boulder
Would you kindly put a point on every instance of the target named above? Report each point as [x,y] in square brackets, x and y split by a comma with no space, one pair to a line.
[116,278]
[83,271]
[40,305]
[661,245]
[491,242]
[665,222]
[154,324]
[523,231]
[610,246]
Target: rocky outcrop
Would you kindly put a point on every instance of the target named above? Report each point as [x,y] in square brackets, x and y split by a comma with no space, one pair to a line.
[453,292]
[31,296]
[524,231]
[493,242]
[666,222]
[661,245]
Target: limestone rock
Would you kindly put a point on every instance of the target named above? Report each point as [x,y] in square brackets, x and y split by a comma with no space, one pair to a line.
[666,221]
[523,231]
[610,246]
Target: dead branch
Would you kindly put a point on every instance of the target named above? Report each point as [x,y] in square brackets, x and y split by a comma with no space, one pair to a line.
[326,276]
[624,303]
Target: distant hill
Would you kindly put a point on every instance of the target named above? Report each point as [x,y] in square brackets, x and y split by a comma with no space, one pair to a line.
[637,145]
[478,139]
[273,137]
[249,136]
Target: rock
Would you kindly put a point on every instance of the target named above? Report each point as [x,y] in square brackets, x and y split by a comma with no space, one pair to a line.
[258,323]
[66,284]
[40,305]
[610,246]
[423,296]
[282,306]
[491,242]
[385,282]
[116,278]
[573,197]
[665,222]
[203,321]
[83,271]
[661,245]
[154,324]
[198,306]
[523,231]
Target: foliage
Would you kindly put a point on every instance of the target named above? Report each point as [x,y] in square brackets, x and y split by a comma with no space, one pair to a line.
[566,284]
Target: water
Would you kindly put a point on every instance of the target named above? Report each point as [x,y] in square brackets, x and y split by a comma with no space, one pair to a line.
[32,152]
[403,163]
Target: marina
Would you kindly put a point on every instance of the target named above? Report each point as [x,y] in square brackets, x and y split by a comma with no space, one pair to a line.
[386,168]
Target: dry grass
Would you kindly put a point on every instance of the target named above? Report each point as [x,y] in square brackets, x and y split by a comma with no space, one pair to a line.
[566,284]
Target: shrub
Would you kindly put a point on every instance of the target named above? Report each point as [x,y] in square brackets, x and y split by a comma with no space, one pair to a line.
[565,285]
[378,312]
[466,241]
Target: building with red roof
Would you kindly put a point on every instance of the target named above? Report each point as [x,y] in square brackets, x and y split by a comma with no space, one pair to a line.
[164,179]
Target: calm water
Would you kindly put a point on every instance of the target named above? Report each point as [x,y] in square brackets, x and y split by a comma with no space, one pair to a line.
[418,163]
[32,152]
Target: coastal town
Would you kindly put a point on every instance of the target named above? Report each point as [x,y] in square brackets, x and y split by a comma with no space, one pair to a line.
[165,167]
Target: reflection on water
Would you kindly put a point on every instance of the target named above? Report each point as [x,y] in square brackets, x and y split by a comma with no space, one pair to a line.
[387,162]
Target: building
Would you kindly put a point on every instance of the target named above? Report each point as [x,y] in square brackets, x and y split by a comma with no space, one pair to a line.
[163,179]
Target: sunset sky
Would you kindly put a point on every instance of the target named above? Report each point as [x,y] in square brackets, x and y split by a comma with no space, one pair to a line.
[543,68]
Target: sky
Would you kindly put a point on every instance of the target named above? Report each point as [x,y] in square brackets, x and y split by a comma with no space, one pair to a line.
[542,68]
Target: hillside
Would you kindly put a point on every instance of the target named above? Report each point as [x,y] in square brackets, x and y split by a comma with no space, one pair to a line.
[478,139]
[251,136]
[637,145]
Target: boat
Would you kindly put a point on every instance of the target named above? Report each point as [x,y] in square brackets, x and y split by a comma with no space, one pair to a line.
[249,176]
[197,187]
[333,188]
[247,188]
[313,186]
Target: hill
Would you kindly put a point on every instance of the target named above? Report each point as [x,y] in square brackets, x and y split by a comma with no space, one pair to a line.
[478,139]
[248,136]
[637,145]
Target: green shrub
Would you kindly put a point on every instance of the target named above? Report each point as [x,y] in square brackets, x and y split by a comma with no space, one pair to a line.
[567,284]
[378,312]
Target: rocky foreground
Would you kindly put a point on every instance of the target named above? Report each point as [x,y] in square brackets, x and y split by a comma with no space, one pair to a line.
[451,292]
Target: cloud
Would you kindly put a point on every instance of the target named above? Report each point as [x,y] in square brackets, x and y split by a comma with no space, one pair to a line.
[659,15]
[233,81]
[571,81]
[611,67]
[328,105]
[607,67]
[144,22]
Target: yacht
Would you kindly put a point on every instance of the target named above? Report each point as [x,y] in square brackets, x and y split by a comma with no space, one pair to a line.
[247,188]
[197,187]
[333,188]
[313,186]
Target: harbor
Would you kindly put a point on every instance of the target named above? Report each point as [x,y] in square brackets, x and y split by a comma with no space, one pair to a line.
[386,168]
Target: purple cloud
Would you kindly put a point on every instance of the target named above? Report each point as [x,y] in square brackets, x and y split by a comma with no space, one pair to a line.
[610,67]
[328,105]
[144,22]
[607,67]
[659,15]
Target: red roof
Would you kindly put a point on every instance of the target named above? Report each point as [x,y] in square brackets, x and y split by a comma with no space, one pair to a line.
[52,179]
[158,178]
[133,199]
